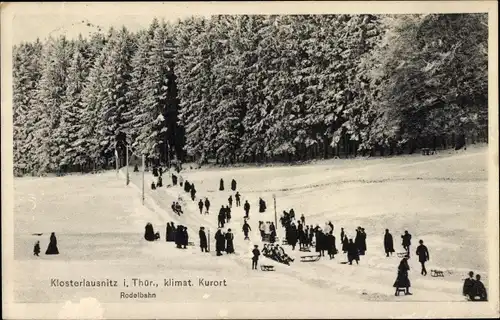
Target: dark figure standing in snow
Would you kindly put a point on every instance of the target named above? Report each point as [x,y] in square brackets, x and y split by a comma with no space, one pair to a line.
[332,249]
[153,186]
[159,183]
[52,248]
[246,207]
[185,237]
[200,206]
[193,193]
[423,256]
[292,236]
[320,242]
[352,252]
[255,258]
[233,185]
[155,171]
[36,249]
[178,236]
[342,234]
[221,185]
[237,197]
[345,244]
[187,186]
[272,231]
[303,219]
[229,242]
[174,179]
[220,242]
[362,242]
[230,201]
[388,243]
[262,205]
[160,171]
[468,284]
[402,281]
[203,240]
[228,214]
[246,228]
[406,242]
[207,205]
[221,218]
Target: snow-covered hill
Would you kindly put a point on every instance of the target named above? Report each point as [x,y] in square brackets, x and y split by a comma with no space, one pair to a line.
[99,223]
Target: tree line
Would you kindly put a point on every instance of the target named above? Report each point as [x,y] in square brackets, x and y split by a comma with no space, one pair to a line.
[251,89]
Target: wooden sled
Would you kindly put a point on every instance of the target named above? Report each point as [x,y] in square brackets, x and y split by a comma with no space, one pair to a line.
[265,267]
[310,258]
[402,254]
[437,273]
[399,290]
[305,249]
[191,244]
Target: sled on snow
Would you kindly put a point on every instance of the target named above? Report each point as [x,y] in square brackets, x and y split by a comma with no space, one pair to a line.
[437,273]
[400,290]
[310,258]
[266,267]
[305,249]
[402,254]
[191,244]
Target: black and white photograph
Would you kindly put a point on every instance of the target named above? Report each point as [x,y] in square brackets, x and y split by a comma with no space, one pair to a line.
[250,160]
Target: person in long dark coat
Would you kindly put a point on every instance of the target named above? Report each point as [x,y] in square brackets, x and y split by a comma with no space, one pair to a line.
[342,234]
[159,183]
[207,205]
[229,242]
[300,234]
[174,179]
[406,242]
[478,290]
[228,214]
[203,240]
[221,185]
[178,236]
[237,197]
[320,242]
[200,206]
[193,193]
[220,242]
[352,252]
[149,233]
[230,200]
[357,239]
[173,230]
[185,237]
[293,236]
[332,249]
[388,243]
[221,218]
[153,186]
[311,235]
[272,233]
[168,232]
[402,280]
[187,186]
[331,225]
[233,185]
[362,242]
[262,205]
[303,219]
[246,207]
[345,244]
[423,256]
[468,284]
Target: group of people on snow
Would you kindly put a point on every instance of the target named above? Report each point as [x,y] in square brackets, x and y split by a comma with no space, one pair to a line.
[224,241]
[276,253]
[474,289]
[51,248]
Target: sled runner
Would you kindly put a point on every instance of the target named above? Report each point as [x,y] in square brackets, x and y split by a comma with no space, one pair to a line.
[305,249]
[402,254]
[437,273]
[265,267]
[310,258]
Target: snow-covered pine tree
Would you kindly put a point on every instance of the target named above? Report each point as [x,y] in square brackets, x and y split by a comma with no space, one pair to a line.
[51,94]
[115,79]
[26,78]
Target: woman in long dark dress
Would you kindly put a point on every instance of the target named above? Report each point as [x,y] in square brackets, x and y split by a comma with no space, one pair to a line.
[388,243]
[402,281]
[229,242]
[52,248]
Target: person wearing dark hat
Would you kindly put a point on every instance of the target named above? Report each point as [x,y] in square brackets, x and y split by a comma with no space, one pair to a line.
[229,241]
[255,258]
[468,284]
[203,240]
[388,243]
[402,280]
[423,256]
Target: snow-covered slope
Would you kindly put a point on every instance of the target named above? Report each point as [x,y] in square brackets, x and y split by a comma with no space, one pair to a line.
[100,222]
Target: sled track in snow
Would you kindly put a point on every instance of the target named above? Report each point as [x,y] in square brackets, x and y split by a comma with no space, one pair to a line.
[364,181]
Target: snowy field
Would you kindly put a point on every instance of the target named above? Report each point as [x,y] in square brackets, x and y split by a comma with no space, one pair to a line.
[99,223]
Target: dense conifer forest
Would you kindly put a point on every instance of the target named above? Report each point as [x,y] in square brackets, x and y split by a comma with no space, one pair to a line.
[240,89]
